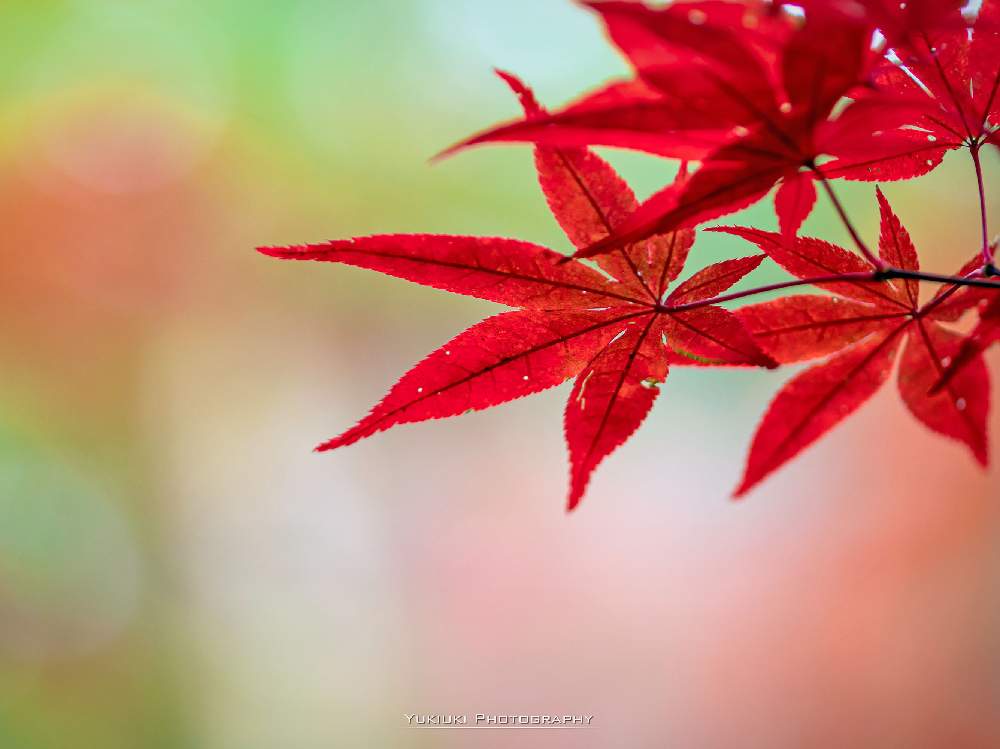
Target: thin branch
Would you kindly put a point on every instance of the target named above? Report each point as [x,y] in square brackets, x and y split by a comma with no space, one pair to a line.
[933,304]
[918,275]
[876,262]
[988,260]
[843,277]
[873,277]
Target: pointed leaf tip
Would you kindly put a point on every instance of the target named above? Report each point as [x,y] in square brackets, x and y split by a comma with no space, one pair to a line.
[814,402]
[610,400]
[352,435]
[523,92]
[479,139]
[529,103]
[283,253]
[447,153]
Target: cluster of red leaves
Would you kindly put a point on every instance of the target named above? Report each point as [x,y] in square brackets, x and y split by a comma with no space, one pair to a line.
[755,97]
[611,334]
[861,329]
[763,96]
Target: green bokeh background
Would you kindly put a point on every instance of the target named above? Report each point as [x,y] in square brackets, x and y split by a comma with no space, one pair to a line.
[176,568]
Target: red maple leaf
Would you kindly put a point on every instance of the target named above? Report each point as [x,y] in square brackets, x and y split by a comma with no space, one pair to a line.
[703,69]
[950,79]
[861,330]
[615,336]
[901,23]
[757,109]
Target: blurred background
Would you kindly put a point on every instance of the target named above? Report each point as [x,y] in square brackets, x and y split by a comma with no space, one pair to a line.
[177,569]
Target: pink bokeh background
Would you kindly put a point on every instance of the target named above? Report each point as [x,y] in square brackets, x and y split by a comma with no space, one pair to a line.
[177,569]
